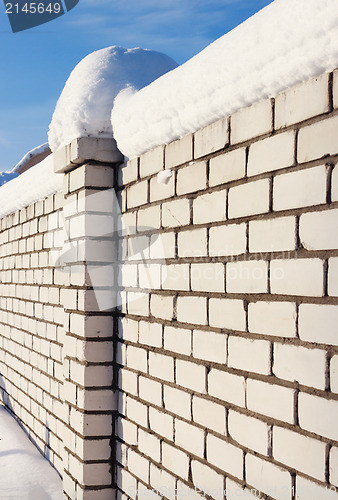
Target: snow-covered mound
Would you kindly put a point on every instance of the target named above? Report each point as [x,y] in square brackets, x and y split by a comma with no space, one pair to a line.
[34,153]
[7,176]
[37,183]
[287,42]
[85,105]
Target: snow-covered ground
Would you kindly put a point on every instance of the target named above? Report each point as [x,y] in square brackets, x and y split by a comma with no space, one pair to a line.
[24,473]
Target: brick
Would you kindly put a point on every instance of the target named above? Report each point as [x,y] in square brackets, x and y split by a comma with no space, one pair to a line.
[128,329]
[318,415]
[209,346]
[152,161]
[149,445]
[137,358]
[138,465]
[209,414]
[162,306]
[310,98]
[249,355]
[317,230]
[297,277]
[161,366]
[149,276]
[192,178]
[227,167]
[306,489]
[225,456]
[127,431]
[249,432]
[210,207]
[334,374]
[192,310]
[161,191]
[318,323]
[318,140]
[190,375]
[227,313]
[189,437]
[150,333]
[183,491]
[272,318]
[192,243]
[302,453]
[177,402]
[128,277]
[179,152]
[175,460]
[227,240]
[334,466]
[137,194]
[138,303]
[235,491]
[273,153]
[161,423]
[268,477]
[207,480]
[177,340]
[271,400]
[249,199]
[335,89]
[129,171]
[126,482]
[176,213]
[150,391]
[272,235]
[298,364]
[251,122]
[162,482]
[128,381]
[207,277]
[211,138]
[247,277]
[175,277]
[162,246]
[148,219]
[334,186]
[300,189]
[332,277]
[227,387]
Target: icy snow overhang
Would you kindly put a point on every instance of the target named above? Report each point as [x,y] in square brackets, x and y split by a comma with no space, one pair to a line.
[84,107]
[285,43]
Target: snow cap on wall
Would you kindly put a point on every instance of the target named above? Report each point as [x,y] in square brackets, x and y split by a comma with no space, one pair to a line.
[285,43]
[84,107]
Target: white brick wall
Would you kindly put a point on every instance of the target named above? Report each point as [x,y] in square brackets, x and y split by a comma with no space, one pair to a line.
[249,199]
[272,153]
[249,432]
[300,189]
[317,323]
[227,167]
[318,415]
[251,122]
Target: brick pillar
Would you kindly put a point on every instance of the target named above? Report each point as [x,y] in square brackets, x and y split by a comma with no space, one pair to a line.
[88,300]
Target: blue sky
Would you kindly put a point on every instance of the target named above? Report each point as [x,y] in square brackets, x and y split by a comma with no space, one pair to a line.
[35,64]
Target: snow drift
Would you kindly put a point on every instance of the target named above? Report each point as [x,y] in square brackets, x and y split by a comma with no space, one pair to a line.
[84,107]
[37,183]
[285,43]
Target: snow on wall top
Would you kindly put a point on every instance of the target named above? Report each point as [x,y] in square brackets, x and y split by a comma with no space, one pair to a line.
[285,43]
[37,183]
[84,107]
[39,150]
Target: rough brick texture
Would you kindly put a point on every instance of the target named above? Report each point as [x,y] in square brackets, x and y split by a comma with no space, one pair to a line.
[225,341]
[238,388]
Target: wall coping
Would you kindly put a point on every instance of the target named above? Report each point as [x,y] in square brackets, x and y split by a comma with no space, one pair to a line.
[83,149]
